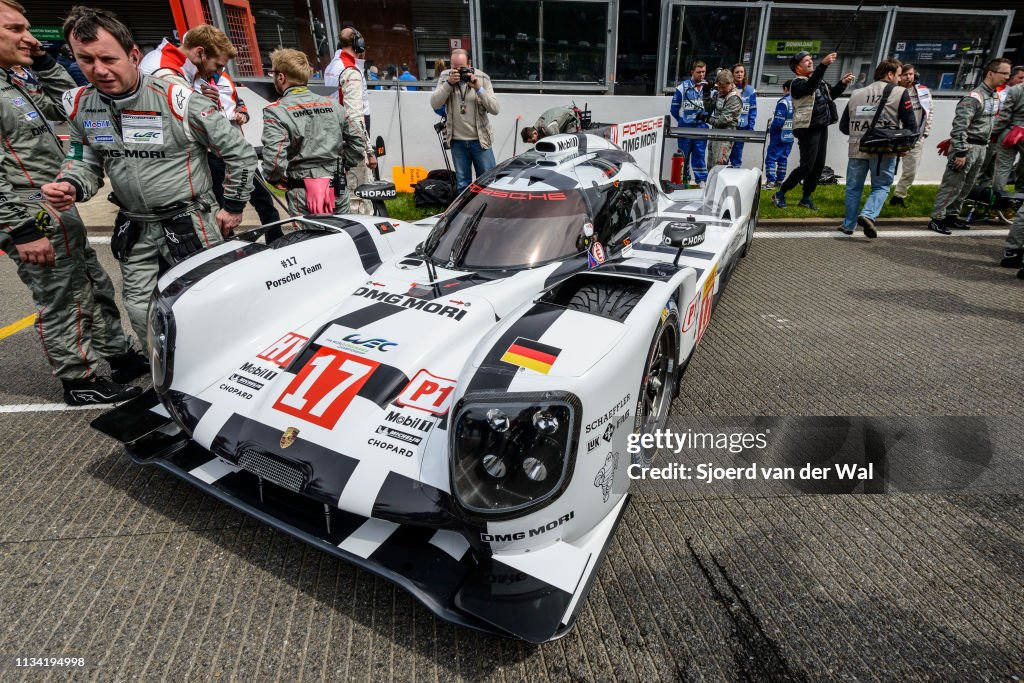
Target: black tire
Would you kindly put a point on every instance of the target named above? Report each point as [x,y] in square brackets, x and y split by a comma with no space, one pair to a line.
[752,222]
[607,300]
[295,237]
[657,385]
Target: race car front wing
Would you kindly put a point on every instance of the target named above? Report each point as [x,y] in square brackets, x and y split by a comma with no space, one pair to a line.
[534,596]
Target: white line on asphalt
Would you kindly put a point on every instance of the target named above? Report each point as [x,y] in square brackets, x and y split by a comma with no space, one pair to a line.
[45,408]
[882,234]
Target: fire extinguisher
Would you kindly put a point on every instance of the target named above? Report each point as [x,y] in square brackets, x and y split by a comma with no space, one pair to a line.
[678,168]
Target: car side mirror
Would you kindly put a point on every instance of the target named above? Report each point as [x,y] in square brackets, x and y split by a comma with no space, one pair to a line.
[682,234]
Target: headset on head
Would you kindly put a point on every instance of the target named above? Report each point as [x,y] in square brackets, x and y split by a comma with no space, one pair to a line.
[358,43]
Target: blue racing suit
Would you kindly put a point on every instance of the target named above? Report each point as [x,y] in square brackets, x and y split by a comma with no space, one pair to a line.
[687,102]
[748,116]
[780,140]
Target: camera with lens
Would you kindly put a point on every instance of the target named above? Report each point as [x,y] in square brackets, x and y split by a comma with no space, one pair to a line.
[465,74]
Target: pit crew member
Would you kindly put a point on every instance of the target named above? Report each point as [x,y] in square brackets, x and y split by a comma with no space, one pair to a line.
[687,103]
[353,96]
[150,137]
[552,122]
[780,139]
[972,128]
[921,100]
[1011,116]
[748,115]
[76,317]
[307,139]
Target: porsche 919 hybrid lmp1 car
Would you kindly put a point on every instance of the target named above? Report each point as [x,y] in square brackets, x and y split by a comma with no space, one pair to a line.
[445,403]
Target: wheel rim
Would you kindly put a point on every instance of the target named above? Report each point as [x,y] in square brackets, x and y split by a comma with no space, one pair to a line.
[656,390]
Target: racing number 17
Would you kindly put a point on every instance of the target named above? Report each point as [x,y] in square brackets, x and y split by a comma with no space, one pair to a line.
[325,387]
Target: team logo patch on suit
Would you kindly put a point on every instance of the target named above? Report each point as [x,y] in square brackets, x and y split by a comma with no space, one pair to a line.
[289,436]
[18,101]
[530,354]
[142,129]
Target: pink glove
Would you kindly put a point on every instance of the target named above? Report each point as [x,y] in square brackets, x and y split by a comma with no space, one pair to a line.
[1014,137]
[319,195]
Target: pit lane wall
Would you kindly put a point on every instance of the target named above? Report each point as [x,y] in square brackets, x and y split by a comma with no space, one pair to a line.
[421,147]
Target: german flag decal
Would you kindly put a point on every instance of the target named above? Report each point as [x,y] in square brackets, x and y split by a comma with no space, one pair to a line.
[527,353]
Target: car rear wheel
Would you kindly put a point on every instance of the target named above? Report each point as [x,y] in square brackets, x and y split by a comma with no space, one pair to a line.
[657,385]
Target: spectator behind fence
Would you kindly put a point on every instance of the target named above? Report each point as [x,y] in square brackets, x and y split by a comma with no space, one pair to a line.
[813,112]
[921,99]
[687,103]
[886,105]
[468,98]
[406,76]
[748,115]
[972,128]
[780,139]
[725,113]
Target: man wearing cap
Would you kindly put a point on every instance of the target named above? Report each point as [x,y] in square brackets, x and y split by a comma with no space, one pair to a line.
[814,110]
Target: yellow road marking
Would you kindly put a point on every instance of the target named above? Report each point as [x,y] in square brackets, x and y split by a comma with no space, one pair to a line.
[17,327]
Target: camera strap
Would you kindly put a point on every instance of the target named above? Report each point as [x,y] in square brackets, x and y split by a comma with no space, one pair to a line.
[462,96]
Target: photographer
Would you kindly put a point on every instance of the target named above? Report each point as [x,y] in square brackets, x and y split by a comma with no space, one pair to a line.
[813,112]
[468,98]
[552,122]
[896,112]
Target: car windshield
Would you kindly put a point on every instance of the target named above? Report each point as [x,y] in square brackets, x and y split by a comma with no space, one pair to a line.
[490,228]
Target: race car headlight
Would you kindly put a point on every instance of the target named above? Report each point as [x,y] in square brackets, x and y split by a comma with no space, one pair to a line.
[160,339]
[508,455]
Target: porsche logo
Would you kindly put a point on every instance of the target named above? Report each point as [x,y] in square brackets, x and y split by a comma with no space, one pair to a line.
[289,436]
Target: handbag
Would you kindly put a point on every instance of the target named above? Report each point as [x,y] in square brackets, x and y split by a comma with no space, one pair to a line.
[887,140]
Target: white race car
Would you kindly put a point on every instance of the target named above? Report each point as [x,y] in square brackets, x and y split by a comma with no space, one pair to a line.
[446,403]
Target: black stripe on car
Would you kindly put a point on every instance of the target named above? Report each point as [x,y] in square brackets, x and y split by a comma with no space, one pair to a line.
[495,376]
[401,499]
[182,284]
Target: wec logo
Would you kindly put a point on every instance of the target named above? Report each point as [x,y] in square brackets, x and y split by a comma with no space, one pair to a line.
[374,343]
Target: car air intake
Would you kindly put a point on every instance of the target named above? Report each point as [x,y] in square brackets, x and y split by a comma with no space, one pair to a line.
[281,473]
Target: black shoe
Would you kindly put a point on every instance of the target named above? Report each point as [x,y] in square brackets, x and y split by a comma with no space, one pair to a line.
[127,366]
[1020,273]
[808,204]
[96,389]
[955,222]
[1013,258]
[868,225]
[897,201]
[848,233]
[779,199]
[939,227]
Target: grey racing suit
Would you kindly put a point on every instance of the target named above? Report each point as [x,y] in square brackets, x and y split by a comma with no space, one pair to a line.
[557,120]
[1011,114]
[972,127]
[152,145]
[306,135]
[76,318]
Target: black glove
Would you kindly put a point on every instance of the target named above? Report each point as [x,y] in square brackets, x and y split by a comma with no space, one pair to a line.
[703,117]
[182,240]
[126,234]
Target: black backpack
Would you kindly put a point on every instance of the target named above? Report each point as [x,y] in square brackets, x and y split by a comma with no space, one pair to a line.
[436,190]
